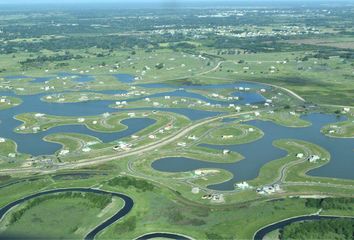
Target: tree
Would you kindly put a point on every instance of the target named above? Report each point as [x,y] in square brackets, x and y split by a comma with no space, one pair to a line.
[159,66]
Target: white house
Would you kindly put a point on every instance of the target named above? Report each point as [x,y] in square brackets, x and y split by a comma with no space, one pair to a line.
[181,144]
[313,158]
[192,137]
[227,136]
[64,152]
[243,185]
[86,149]
[106,115]
[195,190]
[226,151]
[152,136]
[346,109]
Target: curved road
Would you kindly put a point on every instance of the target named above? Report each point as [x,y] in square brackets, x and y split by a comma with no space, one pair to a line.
[146,148]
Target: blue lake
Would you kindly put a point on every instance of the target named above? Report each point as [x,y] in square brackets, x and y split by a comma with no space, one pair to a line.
[209,86]
[77,77]
[250,97]
[41,79]
[125,78]
[262,151]
[33,143]
[15,77]
[256,154]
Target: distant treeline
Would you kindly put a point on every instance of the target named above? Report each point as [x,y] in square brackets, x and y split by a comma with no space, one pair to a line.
[40,60]
[126,182]
[103,42]
[331,203]
[328,52]
[322,229]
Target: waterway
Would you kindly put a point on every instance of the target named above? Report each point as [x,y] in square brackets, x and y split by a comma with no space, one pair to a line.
[260,234]
[163,236]
[35,145]
[128,205]
[262,151]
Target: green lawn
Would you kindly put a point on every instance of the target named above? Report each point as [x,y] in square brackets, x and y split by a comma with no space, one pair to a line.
[58,218]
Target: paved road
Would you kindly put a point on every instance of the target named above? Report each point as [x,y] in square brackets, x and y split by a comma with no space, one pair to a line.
[284,169]
[139,150]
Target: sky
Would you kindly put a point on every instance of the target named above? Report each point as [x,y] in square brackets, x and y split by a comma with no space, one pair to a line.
[168,3]
[155,1]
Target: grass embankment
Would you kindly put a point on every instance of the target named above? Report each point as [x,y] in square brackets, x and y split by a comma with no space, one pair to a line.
[285,118]
[9,157]
[166,124]
[208,222]
[109,122]
[293,169]
[7,102]
[176,102]
[132,92]
[65,215]
[343,129]
[159,209]
[34,122]
[229,134]
[212,132]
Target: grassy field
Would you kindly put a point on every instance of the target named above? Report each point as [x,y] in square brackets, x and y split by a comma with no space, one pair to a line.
[110,122]
[167,207]
[229,134]
[315,80]
[66,217]
[194,220]
[343,129]
[9,157]
[306,66]
[176,102]
[284,118]
[338,42]
[82,96]
[9,102]
[141,64]
[318,81]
